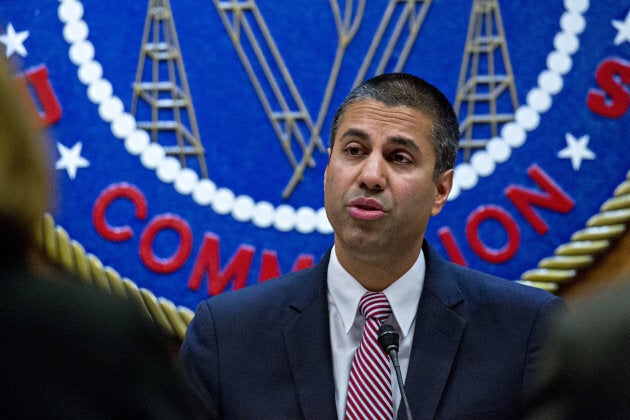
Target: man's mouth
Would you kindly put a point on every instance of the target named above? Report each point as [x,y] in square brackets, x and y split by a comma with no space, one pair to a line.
[365,208]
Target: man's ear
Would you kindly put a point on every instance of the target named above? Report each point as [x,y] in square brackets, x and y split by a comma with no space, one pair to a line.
[443,187]
[326,168]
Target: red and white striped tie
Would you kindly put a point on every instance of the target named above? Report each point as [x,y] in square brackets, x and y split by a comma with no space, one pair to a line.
[370,386]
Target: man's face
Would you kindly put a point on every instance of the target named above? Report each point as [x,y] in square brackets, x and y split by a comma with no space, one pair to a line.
[378,187]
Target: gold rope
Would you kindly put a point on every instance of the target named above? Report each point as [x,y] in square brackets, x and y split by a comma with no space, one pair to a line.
[69,254]
[586,244]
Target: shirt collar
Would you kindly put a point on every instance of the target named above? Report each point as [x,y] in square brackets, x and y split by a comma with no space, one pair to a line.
[403,295]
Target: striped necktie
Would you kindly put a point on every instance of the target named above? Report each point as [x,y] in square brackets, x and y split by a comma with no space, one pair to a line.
[370,386]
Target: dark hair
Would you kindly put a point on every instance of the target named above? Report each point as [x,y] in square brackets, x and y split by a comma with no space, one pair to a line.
[401,89]
[25,175]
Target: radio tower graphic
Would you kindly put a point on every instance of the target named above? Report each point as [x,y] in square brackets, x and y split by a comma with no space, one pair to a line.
[298,132]
[485,80]
[411,15]
[161,99]
[274,85]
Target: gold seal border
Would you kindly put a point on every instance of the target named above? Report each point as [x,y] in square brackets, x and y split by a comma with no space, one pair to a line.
[71,255]
[586,245]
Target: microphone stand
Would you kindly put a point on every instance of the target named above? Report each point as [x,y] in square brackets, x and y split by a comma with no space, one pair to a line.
[393,354]
[388,340]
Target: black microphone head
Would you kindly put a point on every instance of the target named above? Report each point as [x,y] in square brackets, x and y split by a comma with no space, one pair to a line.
[388,338]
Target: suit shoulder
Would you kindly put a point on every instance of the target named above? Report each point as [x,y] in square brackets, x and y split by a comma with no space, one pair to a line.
[300,286]
[489,287]
[452,279]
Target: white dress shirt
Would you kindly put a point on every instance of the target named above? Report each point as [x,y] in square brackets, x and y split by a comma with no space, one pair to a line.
[346,324]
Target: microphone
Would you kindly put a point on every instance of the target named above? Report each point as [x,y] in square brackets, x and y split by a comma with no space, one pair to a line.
[388,340]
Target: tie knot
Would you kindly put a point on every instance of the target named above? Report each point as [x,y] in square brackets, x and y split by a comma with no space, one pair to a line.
[375,305]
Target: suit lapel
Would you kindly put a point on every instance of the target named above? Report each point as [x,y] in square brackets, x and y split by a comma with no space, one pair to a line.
[437,336]
[307,341]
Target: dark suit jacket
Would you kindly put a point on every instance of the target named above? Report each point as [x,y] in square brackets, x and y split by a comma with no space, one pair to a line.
[70,351]
[586,368]
[264,351]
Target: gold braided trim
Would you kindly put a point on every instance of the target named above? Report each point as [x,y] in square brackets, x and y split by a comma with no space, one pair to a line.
[586,244]
[71,255]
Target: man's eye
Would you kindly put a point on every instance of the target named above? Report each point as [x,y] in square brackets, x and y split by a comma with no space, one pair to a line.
[353,150]
[400,158]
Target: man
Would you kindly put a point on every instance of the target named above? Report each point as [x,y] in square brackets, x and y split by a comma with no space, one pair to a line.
[69,351]
[286,349]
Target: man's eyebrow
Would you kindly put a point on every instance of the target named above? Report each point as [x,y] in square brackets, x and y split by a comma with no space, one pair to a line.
[403,141]
[355,132]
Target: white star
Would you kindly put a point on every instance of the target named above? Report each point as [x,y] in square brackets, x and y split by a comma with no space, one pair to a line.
[623,30]
[576,150]
[71,159]
[14,41]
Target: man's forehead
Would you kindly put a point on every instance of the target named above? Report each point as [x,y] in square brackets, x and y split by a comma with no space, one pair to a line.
[373,106]
[395,117]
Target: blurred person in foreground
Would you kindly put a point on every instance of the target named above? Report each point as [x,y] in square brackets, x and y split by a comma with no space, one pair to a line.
[586,368]
[304,345]
[67,350]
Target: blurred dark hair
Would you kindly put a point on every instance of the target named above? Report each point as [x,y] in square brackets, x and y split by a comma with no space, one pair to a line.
[25,176]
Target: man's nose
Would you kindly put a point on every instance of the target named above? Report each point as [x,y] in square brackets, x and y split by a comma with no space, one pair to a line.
[373,173]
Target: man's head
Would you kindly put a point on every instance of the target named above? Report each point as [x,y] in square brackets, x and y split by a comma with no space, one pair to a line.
[393,146]
[24,173]
[401,89]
